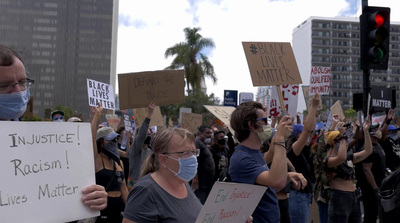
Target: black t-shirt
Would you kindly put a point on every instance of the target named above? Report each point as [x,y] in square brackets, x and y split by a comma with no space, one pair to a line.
[392,159]
[377,158]
[220,156]
[302,165]
[206,166]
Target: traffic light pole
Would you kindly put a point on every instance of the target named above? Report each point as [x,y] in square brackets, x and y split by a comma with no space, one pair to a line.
[366,74]
[366,91]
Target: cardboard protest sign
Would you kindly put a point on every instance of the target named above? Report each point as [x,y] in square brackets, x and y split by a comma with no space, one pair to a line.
[223,113]
[164,87]
[290,95]
[230,202]
[320,80]
[336,109]
[271,63]
[102,93]
[192,122]
[44,167]
[183,110]
[141,113]
[113,121]
[308,98]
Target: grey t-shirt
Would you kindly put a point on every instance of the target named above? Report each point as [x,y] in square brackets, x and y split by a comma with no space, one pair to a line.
[148,202]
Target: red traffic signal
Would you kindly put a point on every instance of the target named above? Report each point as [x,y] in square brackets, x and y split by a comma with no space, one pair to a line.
[374,38]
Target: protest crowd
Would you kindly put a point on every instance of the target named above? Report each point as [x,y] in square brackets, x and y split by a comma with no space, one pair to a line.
[347,168]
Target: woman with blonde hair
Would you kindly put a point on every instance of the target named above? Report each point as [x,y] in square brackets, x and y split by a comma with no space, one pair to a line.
[163,194]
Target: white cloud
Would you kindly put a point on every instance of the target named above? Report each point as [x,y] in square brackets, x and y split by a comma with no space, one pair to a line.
[228,23]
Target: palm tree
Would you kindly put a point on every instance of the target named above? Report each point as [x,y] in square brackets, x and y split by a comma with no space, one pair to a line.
[188,55]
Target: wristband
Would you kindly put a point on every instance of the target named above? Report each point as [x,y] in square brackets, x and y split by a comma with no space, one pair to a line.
[279,144]
[388,121]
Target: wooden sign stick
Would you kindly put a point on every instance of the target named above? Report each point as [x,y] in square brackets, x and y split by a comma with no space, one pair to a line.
[283,108]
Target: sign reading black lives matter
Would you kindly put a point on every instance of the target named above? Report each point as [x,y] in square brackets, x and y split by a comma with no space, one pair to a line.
[271,63]
[102,93]
[44,167]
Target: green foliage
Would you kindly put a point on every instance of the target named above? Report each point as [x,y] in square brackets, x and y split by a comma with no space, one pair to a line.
[189,56]
[33,118]
[351,113]
[195,101]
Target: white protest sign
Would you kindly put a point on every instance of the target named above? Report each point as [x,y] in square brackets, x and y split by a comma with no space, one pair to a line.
[375,120]
[102,93]
[128,123]
[44,167]
[320,80]
[290,95]
[231,202]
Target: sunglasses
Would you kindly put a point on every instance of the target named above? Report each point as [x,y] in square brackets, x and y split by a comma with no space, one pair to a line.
[61,118]
[263,119]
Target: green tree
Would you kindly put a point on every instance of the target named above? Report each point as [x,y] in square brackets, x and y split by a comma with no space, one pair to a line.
[351,113]
[195,101]
[188,55]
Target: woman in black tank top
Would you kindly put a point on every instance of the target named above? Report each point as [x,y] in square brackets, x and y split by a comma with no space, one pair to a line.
[109,170]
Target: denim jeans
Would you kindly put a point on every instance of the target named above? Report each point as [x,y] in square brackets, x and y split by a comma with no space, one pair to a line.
[323,211]
[344,207]
[299,206]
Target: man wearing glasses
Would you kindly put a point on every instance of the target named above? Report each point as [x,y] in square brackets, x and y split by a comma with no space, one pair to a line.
[14,97]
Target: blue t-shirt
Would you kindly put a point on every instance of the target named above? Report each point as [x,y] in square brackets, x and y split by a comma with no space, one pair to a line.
[246,165]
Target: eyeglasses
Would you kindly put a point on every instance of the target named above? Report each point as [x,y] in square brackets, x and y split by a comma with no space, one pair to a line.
[23,85]
[186,153]
[60,117]
[263,119]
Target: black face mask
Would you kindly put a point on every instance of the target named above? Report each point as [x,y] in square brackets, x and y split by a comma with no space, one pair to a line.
[221,142]
[111,150]
[147,140]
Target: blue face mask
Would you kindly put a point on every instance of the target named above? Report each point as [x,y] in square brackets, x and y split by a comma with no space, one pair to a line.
[187,168]
[13,105]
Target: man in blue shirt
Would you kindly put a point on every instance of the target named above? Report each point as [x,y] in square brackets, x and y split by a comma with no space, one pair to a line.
[248,165]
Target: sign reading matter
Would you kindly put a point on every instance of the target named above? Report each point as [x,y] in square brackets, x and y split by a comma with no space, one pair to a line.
[44,167]
[164,87]
[271,63]
[320,80]
[102,93]
[230,202]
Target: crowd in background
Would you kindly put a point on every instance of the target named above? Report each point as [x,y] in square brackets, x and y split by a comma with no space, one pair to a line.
[167,176]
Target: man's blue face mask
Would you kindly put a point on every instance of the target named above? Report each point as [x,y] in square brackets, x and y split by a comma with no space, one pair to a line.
[13,105]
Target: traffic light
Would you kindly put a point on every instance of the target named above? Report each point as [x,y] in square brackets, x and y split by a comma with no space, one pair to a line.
[374,37]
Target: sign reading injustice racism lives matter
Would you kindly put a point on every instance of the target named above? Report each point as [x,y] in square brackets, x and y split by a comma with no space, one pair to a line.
[320,80]
[271,63]
[44,167]
[102,93]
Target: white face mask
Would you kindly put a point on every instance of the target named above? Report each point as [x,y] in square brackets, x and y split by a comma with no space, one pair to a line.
[207,140]
[265,134]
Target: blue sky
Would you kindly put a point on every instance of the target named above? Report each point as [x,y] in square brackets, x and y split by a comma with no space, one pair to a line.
[147,28]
